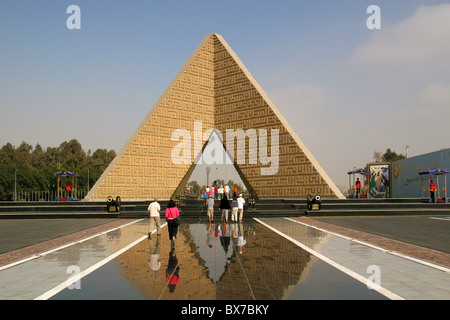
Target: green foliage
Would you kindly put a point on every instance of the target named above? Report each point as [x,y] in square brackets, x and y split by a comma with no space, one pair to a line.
[35,169]
[390,156]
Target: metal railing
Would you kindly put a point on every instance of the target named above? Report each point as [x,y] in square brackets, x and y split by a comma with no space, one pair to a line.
[47,195]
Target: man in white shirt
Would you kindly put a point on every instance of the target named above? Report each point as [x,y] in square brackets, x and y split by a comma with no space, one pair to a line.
[241,203]
[154,208]
[227,191]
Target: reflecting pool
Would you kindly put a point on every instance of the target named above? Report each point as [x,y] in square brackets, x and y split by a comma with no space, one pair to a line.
[218,261]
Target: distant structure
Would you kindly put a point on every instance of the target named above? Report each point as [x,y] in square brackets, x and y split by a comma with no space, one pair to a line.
[213,90]
[411,176]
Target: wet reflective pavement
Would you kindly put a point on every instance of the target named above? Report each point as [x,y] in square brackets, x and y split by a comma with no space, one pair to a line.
[258,259]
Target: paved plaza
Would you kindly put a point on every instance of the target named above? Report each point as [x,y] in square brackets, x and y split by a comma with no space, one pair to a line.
[276,258]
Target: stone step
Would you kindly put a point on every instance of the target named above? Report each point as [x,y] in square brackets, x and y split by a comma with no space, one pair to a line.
[197,208]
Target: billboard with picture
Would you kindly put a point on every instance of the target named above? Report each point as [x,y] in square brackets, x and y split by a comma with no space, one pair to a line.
[379,180]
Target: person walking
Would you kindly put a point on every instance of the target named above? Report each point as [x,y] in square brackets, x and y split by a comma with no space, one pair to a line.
[211,192]
[224,207]
[241,203]
[172,218]
[234,209]
[155,221]
[210,208]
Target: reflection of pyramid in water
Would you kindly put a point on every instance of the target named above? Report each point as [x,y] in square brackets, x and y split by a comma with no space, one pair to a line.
[216,90]
[214,256]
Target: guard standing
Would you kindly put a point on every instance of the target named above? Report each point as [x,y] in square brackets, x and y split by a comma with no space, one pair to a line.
[432,191]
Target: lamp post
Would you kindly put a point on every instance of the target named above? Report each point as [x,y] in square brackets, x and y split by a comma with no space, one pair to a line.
[208,170]
[15,185]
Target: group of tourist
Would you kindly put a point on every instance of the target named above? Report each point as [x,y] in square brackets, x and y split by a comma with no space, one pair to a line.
[236,207]
[218,192]
[172,214]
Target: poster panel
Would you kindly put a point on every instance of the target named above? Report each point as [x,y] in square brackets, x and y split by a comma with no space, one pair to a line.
[379,180]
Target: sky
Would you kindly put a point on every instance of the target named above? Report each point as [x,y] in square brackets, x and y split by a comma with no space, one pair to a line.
[347,90]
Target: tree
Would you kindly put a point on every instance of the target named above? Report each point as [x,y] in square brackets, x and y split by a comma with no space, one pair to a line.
[390,156]
[51,157]
[23,153]
[72,154]
[233,184]
[195,187]
[6,182]
[35,168]
[377,156]
[8,154]
[37,156]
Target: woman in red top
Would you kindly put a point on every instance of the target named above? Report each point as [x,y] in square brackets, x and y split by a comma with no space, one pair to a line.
[172,214]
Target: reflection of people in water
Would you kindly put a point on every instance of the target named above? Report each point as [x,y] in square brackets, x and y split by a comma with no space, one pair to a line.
[172,271]
[241,240]
[224,234]
[211,235]
[154,262]
[237,236]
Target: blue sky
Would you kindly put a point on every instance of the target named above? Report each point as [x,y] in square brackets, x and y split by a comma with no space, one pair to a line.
[346,90]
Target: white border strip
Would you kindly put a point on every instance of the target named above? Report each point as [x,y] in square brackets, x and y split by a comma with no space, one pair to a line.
[349,272]
[42,254]
[76,278]
[445,218]
[395,253]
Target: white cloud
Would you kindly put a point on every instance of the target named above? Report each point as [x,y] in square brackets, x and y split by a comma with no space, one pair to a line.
[422,39]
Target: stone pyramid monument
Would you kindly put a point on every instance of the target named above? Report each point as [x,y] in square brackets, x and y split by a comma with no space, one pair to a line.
[213,92]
